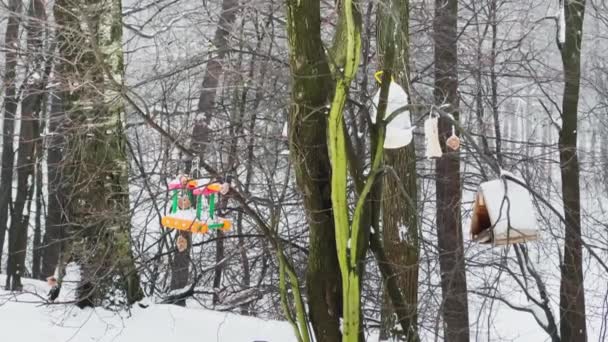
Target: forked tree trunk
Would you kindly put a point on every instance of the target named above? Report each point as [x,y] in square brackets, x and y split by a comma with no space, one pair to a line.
[572,293]
[11,40]
[454,306]
[311,86]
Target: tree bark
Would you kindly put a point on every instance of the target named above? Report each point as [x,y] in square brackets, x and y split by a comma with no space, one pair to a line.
[201,134]
[11,40]
[400,213]
[57,188]
[37,243]
[311,86]
[91,75]
[572,293]
[449,231]
[29,137]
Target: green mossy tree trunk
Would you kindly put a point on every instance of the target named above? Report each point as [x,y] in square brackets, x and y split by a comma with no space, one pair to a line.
[311,87]
[91,74]
[572,293]
[454,304]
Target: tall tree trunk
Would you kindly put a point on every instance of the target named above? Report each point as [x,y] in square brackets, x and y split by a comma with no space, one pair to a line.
[572,293]
[401,247]
[91,74]
[449,232]
[57,187]
[11,40]
[311,86]
[37,243]
[28,142]
[201,136]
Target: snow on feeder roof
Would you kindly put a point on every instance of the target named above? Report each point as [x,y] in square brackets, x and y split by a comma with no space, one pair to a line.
[499,219]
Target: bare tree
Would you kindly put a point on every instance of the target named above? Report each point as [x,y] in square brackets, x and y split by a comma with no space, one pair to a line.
[572,294]
[11,40]
[29,146]
[454,305]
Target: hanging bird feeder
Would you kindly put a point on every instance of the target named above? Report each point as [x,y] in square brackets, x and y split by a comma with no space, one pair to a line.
[431,137]
[188,201]
[503,214]
[399,131]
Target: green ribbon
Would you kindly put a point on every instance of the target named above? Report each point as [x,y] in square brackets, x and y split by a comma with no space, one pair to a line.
[174,204]
[216,226]
[211,205]
[199,207]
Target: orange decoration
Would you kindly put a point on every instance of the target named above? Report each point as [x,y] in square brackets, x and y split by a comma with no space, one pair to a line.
[453,142]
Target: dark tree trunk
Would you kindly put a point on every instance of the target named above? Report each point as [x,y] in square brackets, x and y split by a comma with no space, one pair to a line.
[11,39]
[454,305]
[213,73]
[311,87]
[55,219]
[180,268]
[29,137]
[201,131]
[572,294]
[37,243]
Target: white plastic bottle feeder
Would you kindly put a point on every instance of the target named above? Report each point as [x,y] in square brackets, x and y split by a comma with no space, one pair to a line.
[399,131]
[500,218]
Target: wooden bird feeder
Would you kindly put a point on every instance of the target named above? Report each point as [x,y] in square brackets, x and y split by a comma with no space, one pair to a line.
[503,213]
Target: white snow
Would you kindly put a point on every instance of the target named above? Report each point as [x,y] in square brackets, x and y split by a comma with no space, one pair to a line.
[561,25]
[23,318]
[518,210]
[431,137]
[399,132]
[402,233]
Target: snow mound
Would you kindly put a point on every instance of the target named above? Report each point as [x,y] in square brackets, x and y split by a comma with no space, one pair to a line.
[24,317]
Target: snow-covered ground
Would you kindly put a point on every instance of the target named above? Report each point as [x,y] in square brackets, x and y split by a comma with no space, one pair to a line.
[25,318]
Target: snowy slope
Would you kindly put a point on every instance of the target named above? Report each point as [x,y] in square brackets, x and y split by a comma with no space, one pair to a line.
[23,318]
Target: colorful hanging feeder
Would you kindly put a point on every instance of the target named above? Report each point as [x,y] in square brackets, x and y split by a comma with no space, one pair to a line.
[186,212]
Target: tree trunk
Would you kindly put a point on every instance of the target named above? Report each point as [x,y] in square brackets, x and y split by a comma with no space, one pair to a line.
[37,243]
[449,231]
[201,133]
[29,137]
[57,189]
[311,86]
[91,68]
[401,246]
[11,40]
[572,293]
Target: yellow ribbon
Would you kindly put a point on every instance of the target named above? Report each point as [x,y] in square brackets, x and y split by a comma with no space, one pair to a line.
[378,74]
